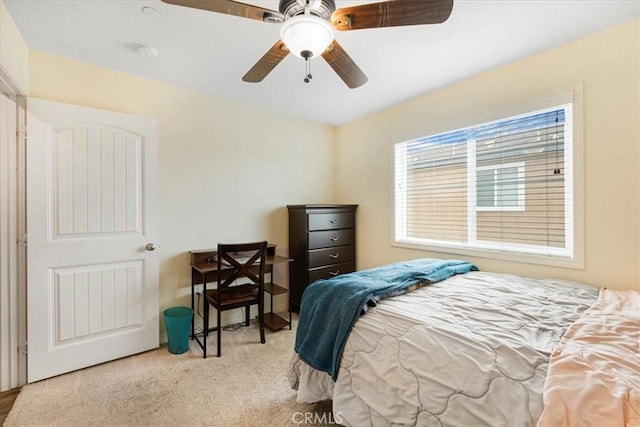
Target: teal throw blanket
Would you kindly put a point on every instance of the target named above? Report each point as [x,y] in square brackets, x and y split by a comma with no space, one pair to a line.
[330,308]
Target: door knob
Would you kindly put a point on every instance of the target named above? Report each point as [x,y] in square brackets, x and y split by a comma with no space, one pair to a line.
[151,246]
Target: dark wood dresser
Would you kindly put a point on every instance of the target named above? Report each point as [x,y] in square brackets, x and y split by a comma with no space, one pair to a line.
[322,243]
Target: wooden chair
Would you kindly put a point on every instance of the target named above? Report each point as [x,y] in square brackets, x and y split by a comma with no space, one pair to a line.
[237,261]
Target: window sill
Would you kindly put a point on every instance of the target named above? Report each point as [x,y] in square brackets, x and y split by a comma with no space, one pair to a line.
[504,255]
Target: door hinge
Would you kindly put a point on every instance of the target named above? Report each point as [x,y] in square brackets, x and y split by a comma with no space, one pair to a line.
[23,348]
[22,133]
[22,240]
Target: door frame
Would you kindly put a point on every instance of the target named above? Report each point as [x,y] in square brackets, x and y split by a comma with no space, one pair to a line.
[13,321]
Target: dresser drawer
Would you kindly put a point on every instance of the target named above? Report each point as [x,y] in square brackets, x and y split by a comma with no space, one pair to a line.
[331,271]
[331,221]
[331,238]
[336,255]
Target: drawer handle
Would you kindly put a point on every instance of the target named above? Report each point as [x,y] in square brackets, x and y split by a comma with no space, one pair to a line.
[334,273]
[334,256]
[334,221]
[333,239]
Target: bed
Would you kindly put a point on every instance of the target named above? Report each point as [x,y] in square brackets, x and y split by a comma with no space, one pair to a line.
[470,348]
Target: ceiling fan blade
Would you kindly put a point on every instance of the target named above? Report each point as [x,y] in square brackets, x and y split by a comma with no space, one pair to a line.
[344,66]
[267,63]
[393,13]
[231,7]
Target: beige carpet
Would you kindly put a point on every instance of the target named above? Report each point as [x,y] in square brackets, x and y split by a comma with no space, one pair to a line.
[245,387]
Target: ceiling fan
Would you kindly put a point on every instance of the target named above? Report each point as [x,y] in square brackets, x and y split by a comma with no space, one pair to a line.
[307,28]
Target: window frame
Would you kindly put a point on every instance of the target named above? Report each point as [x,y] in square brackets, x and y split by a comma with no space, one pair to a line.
[570,95]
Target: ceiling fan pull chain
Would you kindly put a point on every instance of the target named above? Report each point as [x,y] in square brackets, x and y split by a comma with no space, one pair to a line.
[308,70]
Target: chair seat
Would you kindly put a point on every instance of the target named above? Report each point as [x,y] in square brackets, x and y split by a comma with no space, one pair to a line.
[234,296]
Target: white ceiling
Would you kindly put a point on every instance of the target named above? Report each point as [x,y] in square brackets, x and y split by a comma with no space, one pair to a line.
[210,52]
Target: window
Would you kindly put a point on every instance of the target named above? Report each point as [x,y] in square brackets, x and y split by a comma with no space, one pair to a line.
[502,188]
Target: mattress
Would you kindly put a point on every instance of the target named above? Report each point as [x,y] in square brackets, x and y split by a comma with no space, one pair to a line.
[471,350]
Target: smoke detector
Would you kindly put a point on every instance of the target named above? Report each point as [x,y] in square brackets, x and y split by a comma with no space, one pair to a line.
[150,12]
[147,51]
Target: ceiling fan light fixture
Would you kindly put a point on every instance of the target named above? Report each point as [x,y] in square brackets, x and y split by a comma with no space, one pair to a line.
[306,33]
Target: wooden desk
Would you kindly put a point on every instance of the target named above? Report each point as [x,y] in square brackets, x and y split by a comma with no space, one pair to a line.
[204,268]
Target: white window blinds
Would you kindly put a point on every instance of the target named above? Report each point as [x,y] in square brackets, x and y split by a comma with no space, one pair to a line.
[500,186]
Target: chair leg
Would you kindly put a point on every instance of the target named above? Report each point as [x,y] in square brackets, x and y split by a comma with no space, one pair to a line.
[205,333]
[219,332]
[261,321]
[247,310]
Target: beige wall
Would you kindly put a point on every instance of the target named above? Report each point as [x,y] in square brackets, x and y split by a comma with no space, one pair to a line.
[226,171]
[608,64]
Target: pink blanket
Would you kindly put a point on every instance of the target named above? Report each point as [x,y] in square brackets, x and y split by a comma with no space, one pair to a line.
[594,373]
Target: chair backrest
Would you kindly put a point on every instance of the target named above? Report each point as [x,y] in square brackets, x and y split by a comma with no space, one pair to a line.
[238,260]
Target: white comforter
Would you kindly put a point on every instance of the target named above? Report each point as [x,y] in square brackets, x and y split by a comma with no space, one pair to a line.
[469,351]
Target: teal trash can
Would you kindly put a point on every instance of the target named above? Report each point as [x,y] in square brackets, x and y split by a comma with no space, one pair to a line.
[177,321]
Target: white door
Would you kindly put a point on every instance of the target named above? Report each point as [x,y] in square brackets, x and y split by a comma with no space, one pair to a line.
[92,284]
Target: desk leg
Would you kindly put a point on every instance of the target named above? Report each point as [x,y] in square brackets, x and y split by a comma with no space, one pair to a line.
[193,309]
[289,311]
[289,295]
